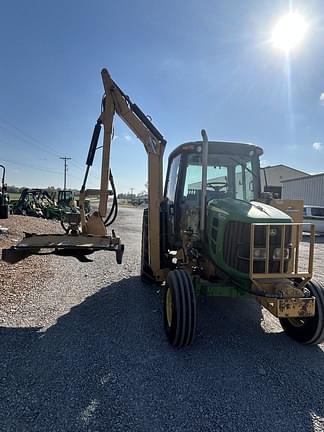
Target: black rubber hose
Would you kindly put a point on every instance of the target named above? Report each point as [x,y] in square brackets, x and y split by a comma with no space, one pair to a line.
[113,211]
[110,222]
[114,208]
[64,227]
[3,176]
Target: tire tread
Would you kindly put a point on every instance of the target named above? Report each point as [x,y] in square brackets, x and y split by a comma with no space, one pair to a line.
[182,332]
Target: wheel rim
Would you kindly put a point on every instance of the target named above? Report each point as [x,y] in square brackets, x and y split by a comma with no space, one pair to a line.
[168,306]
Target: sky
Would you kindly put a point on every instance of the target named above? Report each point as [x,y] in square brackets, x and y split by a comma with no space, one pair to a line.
[188,64]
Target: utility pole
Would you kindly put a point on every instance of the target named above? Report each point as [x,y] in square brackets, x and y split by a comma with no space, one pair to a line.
[65,169]
[132,190]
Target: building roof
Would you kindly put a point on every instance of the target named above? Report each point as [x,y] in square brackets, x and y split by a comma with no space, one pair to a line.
[308,177]
[303,174]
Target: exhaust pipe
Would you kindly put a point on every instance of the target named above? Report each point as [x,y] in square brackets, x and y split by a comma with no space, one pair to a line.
[203,183]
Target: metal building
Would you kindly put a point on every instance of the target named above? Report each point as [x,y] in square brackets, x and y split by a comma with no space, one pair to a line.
[272,178]
[309,188]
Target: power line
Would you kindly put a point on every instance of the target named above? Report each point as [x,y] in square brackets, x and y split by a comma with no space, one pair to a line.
[37,168]
[45,148]
[29,139]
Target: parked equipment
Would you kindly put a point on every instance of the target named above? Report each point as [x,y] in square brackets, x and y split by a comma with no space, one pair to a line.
[39,203]
[36,202]
[4,196]
[66,199]
[207,234]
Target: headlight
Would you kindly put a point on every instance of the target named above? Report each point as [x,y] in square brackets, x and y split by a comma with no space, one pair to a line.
[259,253]
[277,253]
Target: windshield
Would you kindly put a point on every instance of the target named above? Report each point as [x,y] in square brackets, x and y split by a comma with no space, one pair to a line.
[226,177]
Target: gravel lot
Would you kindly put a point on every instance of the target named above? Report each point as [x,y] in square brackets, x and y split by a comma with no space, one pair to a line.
[85,350]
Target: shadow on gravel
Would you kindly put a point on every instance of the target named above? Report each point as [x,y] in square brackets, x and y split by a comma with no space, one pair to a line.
[106,366]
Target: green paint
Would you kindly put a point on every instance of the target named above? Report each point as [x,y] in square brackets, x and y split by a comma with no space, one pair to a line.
[217,289]
[226,210]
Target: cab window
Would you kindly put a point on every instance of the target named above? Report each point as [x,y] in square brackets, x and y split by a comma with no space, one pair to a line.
[173,178]
[244,184]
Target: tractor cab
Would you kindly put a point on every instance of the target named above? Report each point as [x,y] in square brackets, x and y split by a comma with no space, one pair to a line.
[66,198]
[232,172]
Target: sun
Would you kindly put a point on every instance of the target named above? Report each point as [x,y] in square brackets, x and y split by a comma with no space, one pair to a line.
[289,31]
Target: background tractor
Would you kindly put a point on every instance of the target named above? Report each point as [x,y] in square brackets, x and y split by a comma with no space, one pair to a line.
[209,233]
[66,199]
[4,196]
[37,203]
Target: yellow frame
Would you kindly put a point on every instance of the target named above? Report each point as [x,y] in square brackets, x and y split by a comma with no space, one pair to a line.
[293,271]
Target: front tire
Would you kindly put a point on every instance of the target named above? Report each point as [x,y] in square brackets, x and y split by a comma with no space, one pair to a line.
[308,331]
[180,311]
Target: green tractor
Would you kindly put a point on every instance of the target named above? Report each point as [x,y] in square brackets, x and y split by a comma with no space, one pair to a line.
[219,239]
[4,196]
[37,203]
[67,201]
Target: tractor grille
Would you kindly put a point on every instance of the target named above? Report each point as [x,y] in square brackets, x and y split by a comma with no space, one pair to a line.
[237,246]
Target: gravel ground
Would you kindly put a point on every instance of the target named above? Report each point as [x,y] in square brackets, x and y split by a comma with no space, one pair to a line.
[86,351]
[16,281]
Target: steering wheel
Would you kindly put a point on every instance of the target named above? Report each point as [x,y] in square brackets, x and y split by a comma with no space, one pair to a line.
[217,186]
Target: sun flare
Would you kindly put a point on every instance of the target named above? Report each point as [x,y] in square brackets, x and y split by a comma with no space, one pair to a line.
[289,31]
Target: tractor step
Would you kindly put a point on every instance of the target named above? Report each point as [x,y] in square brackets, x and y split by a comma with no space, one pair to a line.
[77,246]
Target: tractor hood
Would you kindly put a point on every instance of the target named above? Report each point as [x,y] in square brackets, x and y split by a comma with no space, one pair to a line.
[229,229]
[250,212]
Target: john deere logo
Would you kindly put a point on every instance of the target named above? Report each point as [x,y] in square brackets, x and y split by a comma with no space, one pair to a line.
[273,232]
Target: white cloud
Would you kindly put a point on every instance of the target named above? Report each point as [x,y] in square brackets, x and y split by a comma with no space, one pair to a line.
[322,99]
[317,146]
[264,163]
[128,138]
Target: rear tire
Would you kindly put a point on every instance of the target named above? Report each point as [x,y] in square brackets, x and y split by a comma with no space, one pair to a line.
[146,271]
[179,309]
[308,331]
[4,211]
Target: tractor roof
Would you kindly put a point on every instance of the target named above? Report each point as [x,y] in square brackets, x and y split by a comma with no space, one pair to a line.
[219,147]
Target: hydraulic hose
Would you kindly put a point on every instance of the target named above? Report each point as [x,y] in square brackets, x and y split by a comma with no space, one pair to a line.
[64,227]
[110,219]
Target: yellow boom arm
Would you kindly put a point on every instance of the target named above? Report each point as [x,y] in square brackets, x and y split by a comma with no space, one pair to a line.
[93,235]
[116,102]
